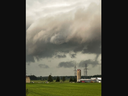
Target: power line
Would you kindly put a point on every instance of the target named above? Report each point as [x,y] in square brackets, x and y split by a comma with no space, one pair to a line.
[75,70]
[85,70]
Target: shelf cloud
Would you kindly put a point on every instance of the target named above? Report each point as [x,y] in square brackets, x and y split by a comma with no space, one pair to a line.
[70,28]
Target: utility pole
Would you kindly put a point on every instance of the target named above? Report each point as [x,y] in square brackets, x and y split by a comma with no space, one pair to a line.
[85,71]
[75,71]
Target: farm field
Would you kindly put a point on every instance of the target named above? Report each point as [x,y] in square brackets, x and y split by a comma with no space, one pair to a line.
[38,88]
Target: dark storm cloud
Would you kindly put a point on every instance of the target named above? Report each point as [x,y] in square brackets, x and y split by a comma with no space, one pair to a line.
[60,56]
[78,32]
[93,63]
[72,55]
[92,47]
[29,58]
[97,57]
[43,66]
[66,64]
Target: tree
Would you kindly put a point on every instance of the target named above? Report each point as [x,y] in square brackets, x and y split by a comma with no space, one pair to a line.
[50,78]
[74,79]
[70,79]
[63,79]
[33,77]
[57,79]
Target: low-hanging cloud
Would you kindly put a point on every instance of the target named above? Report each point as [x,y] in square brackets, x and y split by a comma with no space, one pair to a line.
[67,64]
[43,66]
[89,61]
[78,30]
[73,55]
[61,56]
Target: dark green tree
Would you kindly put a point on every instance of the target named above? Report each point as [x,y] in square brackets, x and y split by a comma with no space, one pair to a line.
[50,78]
[33,77]
[74,79]
[57,79]
[63,79]
[70,79]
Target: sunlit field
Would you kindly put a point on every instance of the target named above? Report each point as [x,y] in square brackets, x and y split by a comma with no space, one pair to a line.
[39,88]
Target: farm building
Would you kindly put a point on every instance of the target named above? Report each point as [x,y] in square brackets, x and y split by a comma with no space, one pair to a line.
[90,80]
[78,74]
[27,79]
[87,80]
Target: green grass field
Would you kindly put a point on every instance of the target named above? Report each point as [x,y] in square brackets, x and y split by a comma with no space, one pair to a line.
[38,88]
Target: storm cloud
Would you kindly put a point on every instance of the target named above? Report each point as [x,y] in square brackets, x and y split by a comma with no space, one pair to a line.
[43,66]
[61,56]
[67,64]
[72,55]
[89,61]
[78,30]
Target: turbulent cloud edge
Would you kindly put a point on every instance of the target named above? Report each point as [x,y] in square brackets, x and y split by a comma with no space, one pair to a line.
[43,66]
[67,64]
[78,31]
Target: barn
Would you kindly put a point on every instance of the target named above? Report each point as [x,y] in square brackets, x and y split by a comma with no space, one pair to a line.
[27,79]
[97,79]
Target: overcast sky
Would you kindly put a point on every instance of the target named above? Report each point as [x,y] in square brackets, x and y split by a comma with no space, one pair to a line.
[61,34]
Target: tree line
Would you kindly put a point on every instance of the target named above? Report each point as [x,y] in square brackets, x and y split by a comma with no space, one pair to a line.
[58,78]
[63,79]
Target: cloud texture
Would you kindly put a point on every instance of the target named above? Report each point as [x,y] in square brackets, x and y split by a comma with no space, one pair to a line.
[69,28]
[67,64]
[43,66]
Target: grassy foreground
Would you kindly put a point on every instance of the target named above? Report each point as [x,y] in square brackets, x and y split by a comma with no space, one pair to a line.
[63,89]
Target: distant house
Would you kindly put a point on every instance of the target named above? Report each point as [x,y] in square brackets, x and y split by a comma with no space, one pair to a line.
[27,79]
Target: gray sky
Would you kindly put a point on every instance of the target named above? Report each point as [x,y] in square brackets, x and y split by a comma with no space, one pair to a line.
[61,34]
